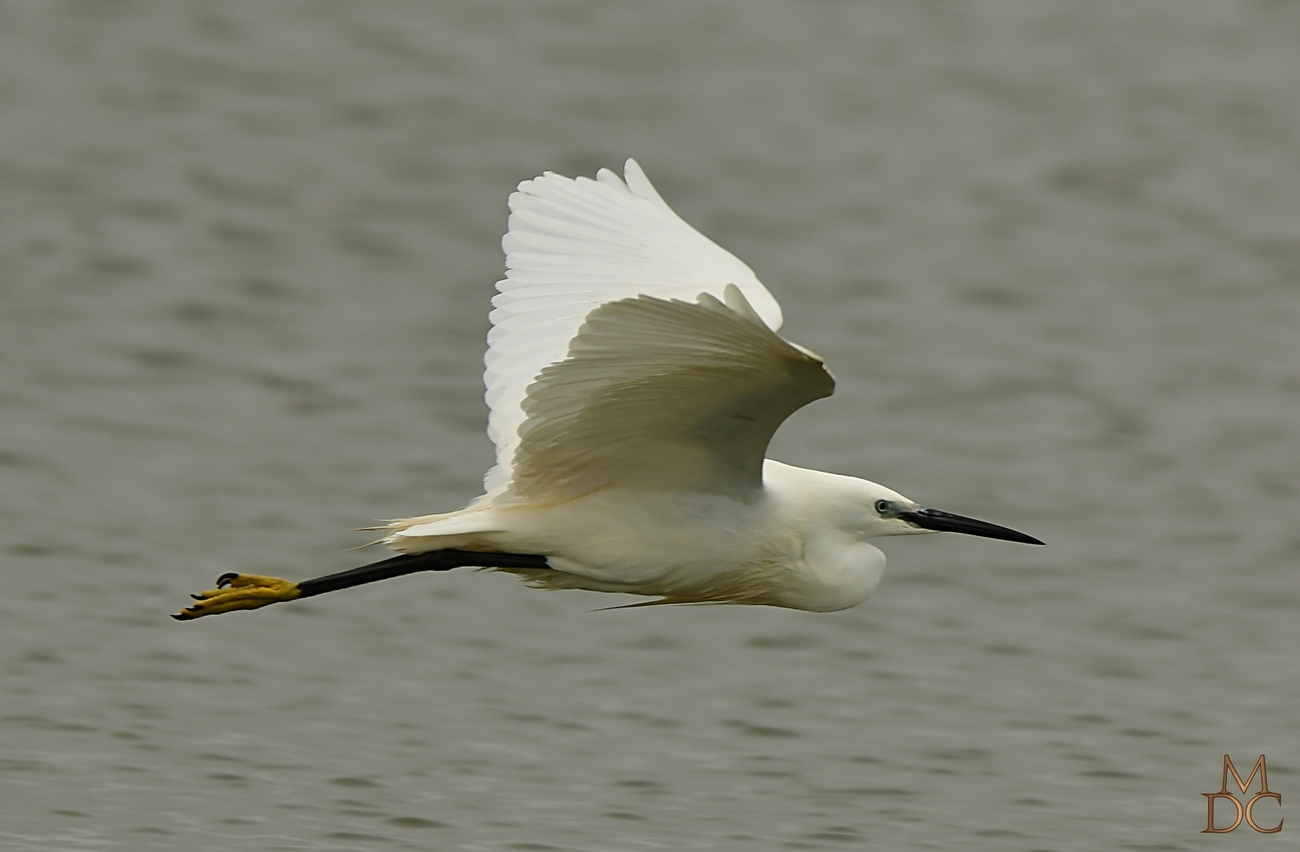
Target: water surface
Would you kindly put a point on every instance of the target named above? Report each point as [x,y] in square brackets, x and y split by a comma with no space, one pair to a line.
[246,251]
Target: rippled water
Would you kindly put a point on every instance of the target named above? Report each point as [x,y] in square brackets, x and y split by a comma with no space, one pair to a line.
[246,249]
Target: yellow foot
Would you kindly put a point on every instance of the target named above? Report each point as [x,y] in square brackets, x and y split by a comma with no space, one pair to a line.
[240,591]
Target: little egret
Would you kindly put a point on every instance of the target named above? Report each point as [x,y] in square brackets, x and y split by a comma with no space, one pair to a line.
[634,379]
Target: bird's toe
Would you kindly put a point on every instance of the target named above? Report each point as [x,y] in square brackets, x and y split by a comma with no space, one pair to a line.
[239,591]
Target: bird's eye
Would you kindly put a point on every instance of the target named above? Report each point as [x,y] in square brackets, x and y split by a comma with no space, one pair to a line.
[884,507]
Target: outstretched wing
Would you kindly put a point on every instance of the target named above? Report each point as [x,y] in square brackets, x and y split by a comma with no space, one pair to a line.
[572,246]
[662,395]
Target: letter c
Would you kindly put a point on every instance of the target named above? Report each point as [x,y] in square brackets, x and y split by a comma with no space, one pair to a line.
[1251,819]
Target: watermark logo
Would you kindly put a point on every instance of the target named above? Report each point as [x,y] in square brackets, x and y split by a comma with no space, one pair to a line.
[1244,812]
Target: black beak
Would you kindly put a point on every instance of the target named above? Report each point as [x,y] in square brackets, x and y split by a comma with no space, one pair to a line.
[933,519]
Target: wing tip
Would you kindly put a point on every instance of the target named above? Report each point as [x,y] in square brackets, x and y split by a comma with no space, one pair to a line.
[633,182]
[639,184]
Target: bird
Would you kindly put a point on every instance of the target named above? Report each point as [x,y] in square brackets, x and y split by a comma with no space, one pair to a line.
[634,378]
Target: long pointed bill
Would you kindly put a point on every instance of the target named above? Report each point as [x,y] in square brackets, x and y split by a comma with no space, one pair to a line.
[933,519]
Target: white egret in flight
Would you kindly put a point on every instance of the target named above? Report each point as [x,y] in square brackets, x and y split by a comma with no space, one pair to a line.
[634,380]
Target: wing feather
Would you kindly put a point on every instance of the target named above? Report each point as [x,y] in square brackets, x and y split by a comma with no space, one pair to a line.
[662,395]
[572,246]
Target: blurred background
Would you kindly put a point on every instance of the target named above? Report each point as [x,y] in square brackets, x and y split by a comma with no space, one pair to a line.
[1051,251]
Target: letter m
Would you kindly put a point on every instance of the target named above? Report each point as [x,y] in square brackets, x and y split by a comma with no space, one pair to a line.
[1259,768]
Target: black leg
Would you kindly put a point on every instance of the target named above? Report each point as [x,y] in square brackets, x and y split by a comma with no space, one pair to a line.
[249,591]
[408,563]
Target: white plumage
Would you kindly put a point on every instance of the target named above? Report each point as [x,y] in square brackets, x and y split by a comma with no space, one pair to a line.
[634,379]
[572,246]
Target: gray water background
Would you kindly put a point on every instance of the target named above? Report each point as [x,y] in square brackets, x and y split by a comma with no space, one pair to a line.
[1050,250]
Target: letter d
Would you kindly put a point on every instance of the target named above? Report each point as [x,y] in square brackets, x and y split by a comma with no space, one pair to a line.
[1209,822]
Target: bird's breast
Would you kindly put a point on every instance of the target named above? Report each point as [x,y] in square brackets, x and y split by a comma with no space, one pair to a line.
[836,572]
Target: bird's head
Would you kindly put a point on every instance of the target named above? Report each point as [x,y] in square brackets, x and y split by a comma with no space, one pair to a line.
[894,514]
[865,509]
